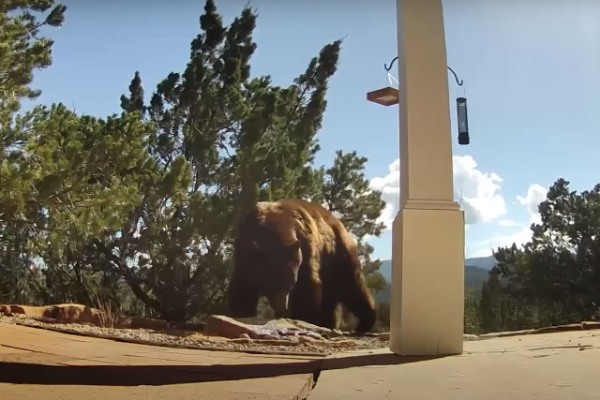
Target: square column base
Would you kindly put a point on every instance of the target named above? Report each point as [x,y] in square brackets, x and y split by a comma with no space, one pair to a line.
[427,287]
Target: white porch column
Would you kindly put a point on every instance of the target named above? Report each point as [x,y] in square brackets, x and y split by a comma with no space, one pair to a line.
[427,288]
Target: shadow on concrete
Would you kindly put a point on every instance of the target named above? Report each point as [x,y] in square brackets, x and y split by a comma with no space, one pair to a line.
[157,375]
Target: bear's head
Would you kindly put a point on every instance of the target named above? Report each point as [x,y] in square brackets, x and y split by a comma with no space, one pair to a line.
[278,262]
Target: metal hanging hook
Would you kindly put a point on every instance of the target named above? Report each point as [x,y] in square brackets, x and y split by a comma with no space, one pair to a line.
[459,82]
[391,64]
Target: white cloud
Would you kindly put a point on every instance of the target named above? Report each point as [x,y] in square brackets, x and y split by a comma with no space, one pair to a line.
[535,195]
[519,237]
[389,186]
[484,252]
[478,192]
[507,223]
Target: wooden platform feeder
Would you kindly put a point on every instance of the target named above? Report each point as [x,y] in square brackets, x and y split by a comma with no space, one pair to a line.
[387,96]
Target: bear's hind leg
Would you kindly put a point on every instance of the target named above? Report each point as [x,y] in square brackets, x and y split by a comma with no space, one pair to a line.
[356,296]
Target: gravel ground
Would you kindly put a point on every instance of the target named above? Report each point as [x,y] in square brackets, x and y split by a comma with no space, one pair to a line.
[292,346]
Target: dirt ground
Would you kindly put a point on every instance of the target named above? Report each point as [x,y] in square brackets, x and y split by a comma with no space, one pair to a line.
[285,337]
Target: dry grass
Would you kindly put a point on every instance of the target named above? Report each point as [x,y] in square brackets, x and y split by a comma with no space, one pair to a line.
[110,316]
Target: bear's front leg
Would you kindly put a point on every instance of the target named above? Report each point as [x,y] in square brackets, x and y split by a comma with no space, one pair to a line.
[329,307]
[306,296]
[279,302]
[243,298]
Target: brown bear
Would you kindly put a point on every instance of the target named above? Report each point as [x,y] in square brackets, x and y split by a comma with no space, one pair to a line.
[300,257]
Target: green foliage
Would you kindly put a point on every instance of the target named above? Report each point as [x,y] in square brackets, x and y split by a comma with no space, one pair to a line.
[77,178]
[555,278]
[472,321]
[222,141]
[65,178]
[345,191]
[22,51]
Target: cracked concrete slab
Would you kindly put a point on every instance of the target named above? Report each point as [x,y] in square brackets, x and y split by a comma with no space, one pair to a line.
[546,366]
[34,361]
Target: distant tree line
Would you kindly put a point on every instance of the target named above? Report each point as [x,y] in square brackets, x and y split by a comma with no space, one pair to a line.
[553,279]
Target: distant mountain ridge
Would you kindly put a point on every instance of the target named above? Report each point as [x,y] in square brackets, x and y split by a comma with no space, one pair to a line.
[486,263]
[476,273]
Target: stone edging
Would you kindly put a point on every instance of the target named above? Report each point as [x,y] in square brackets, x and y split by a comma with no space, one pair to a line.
[585,325]
[582,326]
[171,345]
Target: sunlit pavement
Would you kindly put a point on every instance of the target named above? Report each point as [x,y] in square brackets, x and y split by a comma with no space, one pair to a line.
[68,367]
[542,366]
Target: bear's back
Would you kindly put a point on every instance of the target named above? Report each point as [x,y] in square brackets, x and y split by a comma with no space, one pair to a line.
[308,220]
[305,210]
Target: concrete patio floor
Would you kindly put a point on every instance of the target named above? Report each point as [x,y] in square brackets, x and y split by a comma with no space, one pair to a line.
[67,367]
[541,366]
[37,363]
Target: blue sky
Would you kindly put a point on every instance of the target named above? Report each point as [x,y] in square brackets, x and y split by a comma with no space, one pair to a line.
[531,72]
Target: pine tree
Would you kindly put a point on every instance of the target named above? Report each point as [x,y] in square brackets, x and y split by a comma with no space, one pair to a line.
[144,203]
[22,52]
[346,192]
[222,141]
